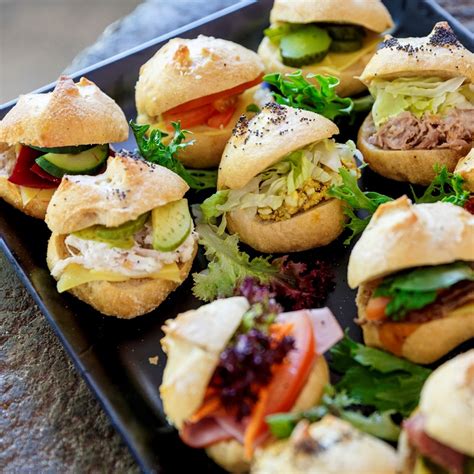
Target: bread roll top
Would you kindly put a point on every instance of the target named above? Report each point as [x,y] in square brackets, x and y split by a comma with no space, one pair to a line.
[403,235]
[370,14]
[187,69]
[266,138]
[127,188]
[73,114]
[440,54]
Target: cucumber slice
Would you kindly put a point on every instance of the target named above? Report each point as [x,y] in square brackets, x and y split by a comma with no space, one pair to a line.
[345,32]
[307,45]
[70,150]
[275,33]
[81,163]
[346,46]
[171,224]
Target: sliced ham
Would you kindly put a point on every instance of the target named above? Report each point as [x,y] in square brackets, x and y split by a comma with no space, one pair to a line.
[437,452]
[203,433]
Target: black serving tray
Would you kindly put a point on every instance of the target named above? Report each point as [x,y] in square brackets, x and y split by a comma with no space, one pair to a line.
[112,355]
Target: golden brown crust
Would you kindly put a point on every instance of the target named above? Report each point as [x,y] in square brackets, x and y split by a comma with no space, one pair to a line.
[127,189]
[370,14]
[426,56]
[350,84]
[126,299]
[414,166]
[313,228]
[265,139]
[431,341]
[186,69]
[73,114]
[11,193]
[465,168]
[403,235]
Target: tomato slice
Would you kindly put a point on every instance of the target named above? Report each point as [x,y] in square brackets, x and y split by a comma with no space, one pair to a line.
[22,173]
[200,101]
[221,119]
[375,310]
[190,118]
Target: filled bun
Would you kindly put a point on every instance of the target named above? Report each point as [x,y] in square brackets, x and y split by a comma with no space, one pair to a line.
[126,299]
[370,14]
[127,188]
[330,446]
[187,69]
[439,54]
[73,114]
[465,168]
[403,235]
[415,166]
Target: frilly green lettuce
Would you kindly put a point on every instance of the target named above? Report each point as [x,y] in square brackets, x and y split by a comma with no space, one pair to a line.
[419,95]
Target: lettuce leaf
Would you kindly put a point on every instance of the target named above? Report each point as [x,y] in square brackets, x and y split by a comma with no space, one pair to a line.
[418,95]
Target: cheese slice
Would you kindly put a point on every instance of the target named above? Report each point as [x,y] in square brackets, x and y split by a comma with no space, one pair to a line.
[75,275]
[28,194]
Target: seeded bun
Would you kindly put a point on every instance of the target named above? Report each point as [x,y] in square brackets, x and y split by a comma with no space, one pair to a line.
[403,235]
[125,300]
[414,166]
[439,54]
[186,69]
[465,168]
[126,189]
[370,14]
[265,139]
[344,450]
[73,114]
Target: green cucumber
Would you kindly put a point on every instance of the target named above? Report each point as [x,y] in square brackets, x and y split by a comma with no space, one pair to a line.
[70,150]
[81,163]
[344,32]
[171,225]
[306,45]
[276,32]
[345,46]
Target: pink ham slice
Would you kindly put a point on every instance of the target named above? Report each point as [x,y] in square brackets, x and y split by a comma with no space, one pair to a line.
[211,429]
[437,452]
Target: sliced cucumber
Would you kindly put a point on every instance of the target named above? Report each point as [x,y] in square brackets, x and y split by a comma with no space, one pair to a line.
[307,45]
[275,33]
[346,46]
[81,163]
[344,32]
[171,224]
[71,150]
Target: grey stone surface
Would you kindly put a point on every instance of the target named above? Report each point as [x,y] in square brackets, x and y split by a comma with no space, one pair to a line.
[50,422]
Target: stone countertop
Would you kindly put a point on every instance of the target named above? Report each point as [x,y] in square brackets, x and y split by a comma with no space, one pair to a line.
[50,420]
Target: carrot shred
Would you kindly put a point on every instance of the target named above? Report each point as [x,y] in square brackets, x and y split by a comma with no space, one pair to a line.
[254,423]
[209,406]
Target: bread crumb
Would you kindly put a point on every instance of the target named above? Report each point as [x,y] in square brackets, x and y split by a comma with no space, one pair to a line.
[153,360]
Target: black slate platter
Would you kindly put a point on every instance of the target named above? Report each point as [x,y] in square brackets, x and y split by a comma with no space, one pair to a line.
[112,355]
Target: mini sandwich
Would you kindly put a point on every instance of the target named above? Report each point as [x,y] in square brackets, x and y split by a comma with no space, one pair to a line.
[465,168]
[331,37]
[423,113]
[274,179]
[123,240]
[439,436]
[204,83]
[45,136]
[330,446]
[414,266]
[230,364]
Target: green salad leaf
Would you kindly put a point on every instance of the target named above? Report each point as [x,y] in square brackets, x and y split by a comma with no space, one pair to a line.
[415,289]
[294,90]
[152,148]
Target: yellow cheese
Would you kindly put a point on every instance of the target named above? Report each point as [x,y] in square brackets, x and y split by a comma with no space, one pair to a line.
[28,194]
[75,275]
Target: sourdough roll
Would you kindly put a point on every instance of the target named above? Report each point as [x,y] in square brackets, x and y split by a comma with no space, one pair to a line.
[414,268]
[46,135]
[325,37]
[439,434]
[274,178]
[122,240]
[329,446]
[205,83]
[423,113]
[222,369]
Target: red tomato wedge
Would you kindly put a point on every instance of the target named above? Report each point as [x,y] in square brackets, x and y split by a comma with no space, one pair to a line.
[22,174]
[221,119]
[191,118]
[375,310]
[200,101]
[288,380]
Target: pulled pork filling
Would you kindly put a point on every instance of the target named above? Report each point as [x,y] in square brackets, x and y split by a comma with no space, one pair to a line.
[141,260]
